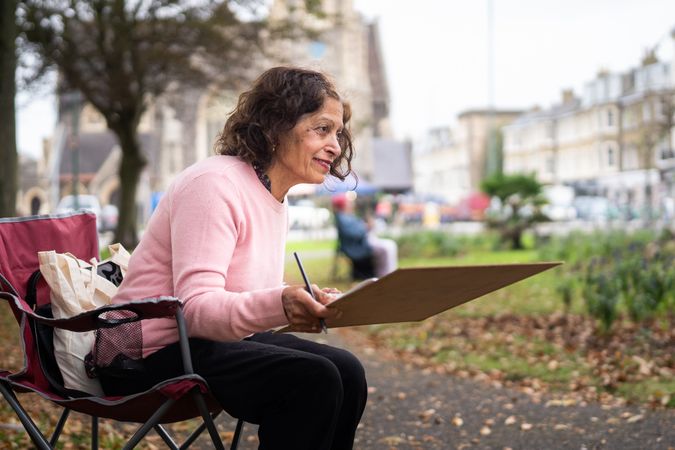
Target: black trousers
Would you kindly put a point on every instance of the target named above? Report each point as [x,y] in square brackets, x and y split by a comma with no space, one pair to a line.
[304,395]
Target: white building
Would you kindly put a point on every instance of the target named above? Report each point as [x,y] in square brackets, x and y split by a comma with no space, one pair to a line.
[614,140]
[450,163]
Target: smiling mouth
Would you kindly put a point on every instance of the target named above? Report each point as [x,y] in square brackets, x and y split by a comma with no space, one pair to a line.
[325,164]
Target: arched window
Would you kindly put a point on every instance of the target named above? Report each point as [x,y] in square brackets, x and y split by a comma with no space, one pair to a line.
[35,204]
[611,156]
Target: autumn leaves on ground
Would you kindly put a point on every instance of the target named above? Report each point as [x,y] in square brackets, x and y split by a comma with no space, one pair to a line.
[540,336]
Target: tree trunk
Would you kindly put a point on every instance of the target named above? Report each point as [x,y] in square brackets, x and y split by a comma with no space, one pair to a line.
[9,167]
[517,239]
[130,171]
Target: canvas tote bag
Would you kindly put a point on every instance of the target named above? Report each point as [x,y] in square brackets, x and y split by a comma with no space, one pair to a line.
[75,288]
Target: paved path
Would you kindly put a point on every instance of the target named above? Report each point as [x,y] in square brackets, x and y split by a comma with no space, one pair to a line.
[413,409]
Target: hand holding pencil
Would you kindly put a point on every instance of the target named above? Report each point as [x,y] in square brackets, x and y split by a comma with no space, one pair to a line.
[305,306]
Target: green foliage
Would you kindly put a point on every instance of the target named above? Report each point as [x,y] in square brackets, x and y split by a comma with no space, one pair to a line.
[565,287]
[428,244]
[505,187]
[602,296]
[647,283]
[616,271]
[520,200]
[442,244]
[578,248]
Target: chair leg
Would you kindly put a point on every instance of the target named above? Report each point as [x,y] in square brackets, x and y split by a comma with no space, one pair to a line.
[201,405]
[166,438]
[196,433]
[147,426]
[237,434]
[94,433]
[36,436]
[59,427]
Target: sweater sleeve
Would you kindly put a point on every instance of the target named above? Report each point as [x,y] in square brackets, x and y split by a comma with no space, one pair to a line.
[206,218]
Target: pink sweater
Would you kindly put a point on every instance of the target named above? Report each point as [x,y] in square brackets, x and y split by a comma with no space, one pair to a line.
[216,241]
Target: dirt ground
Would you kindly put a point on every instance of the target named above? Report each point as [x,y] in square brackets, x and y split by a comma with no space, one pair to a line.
[409,408]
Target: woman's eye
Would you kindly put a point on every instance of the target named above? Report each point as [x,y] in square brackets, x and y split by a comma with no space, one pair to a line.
[322,130]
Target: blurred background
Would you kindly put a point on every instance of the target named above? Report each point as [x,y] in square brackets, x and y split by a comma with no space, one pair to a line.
[487,132]
[579,96]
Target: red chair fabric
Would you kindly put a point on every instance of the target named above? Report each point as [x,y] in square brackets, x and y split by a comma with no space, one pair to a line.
[20,240]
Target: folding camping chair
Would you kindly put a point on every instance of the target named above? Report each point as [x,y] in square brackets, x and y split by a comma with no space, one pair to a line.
[173,400]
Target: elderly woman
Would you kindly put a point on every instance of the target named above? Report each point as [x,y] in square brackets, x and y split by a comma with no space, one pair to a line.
[216,241]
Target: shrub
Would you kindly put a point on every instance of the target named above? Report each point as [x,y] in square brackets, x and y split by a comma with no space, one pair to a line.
[601,293]
[428,244]
[565,287]
[616,270]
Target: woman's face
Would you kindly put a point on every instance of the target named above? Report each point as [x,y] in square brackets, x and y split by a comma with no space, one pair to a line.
[305,153]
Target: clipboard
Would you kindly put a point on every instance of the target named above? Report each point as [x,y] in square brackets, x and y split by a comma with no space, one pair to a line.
[414,294]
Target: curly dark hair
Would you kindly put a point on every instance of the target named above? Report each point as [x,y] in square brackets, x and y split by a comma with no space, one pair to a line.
[275,103]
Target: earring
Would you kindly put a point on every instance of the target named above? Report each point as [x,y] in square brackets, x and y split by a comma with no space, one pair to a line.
[274,148]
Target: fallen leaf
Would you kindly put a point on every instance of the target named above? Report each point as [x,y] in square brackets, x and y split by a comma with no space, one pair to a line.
[561,402]
[426,415]
[457,421]
[635,418]
[665,399]
[510,420]
[525,426]
[392,440]
[485,431]
[227,436]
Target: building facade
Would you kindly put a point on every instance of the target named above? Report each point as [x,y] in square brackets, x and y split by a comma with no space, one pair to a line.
[615,140]
[450,163]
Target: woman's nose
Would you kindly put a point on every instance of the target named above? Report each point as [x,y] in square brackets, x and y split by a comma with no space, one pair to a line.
[334,145]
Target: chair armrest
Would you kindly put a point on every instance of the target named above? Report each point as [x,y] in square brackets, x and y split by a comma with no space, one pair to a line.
[92,320]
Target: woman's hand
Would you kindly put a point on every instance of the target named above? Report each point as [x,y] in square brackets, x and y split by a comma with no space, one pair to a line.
[303,312]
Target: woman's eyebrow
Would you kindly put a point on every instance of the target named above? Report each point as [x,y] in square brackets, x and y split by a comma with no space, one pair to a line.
[332,122]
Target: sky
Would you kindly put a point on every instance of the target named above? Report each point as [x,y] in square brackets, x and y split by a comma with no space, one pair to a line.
[436,55]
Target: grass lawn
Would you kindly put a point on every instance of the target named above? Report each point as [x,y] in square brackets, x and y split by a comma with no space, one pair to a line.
[535,295]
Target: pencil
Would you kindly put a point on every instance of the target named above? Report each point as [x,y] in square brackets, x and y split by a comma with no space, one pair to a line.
[308,286]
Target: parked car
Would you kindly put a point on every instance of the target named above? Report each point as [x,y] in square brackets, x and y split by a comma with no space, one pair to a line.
[560,204]
[84,202]
[305,215]
[595,208]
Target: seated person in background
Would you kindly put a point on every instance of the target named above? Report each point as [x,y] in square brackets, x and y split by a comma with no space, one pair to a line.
[360,244]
